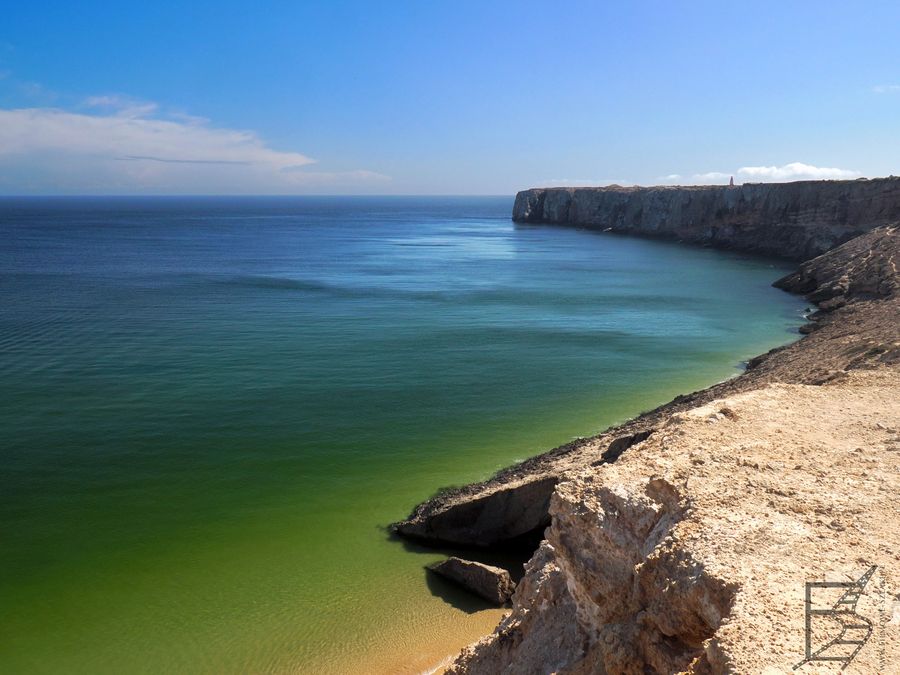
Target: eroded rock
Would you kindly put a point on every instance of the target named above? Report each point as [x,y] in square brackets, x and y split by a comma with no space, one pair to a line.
[691,556]
[511,513]
[622,443]
[862,269]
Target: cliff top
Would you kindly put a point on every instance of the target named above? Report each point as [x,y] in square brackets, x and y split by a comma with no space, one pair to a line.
[614,187]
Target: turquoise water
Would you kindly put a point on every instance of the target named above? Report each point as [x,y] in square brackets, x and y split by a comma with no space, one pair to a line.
[211,408]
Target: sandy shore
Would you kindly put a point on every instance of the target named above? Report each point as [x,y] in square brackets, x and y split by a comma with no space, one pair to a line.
[427,652]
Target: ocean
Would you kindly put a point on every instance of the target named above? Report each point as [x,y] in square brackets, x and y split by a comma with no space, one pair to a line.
[212,407]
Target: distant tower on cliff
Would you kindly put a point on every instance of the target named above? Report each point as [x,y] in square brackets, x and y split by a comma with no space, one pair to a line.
[731,182]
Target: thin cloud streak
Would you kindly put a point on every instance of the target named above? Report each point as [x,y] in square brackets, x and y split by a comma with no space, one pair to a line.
[29,130]
[165,160]
[122,106]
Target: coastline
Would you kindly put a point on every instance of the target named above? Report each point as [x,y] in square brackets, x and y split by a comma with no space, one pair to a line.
[305,542]
[854,329]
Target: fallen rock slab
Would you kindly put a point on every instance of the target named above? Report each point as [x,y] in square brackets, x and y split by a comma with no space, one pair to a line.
[491,583]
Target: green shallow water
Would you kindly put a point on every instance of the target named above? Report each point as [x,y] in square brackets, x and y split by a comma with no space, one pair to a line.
[213,406]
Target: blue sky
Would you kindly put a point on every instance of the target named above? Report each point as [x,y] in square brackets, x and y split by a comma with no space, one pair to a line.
[441,97]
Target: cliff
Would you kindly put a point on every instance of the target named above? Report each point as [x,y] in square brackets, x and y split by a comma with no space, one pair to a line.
[690,553]
[792,220]
[680,541]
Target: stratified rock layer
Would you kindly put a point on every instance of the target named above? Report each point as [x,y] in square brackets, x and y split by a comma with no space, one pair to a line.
[510,514]
[862,269]
[793,220]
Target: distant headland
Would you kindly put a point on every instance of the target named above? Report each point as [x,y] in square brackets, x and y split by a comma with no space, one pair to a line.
[792,220]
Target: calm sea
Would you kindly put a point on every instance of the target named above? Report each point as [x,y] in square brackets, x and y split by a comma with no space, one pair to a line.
[211,407]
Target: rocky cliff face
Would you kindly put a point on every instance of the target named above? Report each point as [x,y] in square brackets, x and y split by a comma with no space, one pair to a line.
[690,553]
[862,269]
[792,220]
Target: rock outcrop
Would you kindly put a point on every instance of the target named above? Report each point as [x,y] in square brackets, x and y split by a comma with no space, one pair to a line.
[690,556]
[792,220]
[491,583]
[862,269]
[515,513]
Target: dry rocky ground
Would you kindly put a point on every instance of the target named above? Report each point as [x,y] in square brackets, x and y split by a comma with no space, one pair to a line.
[690,553]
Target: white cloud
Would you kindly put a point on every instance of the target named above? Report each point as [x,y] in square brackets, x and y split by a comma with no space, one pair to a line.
[711,177]
[886,88]
[107,100]
[708,178]
[771,174]
[796,171]
[122,106]
[580,182]
[129,149]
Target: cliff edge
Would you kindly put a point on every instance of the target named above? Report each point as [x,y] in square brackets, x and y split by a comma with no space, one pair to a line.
[855,327]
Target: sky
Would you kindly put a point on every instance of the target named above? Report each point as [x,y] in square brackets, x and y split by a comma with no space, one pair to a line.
[433,97]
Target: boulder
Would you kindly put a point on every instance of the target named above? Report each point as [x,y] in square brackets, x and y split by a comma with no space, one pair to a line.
[491,583]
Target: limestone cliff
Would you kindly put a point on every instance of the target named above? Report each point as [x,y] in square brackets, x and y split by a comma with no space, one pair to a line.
[687,549]
[680,541]
[792,220]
